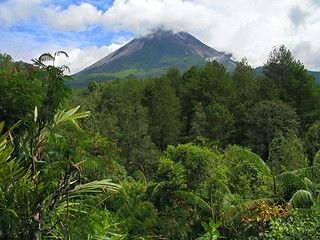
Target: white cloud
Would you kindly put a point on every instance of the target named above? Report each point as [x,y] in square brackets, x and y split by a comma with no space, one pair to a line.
[74,18]
[82,58]
[25,48]
[14,11]
[244,28]
[121,39]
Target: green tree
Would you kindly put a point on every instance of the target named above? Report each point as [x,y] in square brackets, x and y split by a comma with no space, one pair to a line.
[249,176]
[216,85]
[20,91]
[312,141]
[246,87]
[286,154]
[198,124]
[186,189]
[164,114]
[45,190]
[124,114]
[190,96]
[248,187]
[267,120]
[219,123]
[174,76]
[56,89]
[245,82]
[36,199]
[293,83]
[139,217]
[208,85]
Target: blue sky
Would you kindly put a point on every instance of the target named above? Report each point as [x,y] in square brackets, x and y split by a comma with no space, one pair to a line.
[89,30]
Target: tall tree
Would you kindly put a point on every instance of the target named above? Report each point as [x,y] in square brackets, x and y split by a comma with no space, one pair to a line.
[245,83]
[198,124]
[124,114]
[212,87]
[219,123]
[164,109]
[216,84]
[293,84]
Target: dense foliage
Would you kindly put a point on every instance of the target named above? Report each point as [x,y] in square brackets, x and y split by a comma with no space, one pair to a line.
[203,154]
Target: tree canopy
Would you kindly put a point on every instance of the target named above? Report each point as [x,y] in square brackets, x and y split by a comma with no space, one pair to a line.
[202,154]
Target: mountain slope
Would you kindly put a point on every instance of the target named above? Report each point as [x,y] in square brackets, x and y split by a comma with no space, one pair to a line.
[152,55]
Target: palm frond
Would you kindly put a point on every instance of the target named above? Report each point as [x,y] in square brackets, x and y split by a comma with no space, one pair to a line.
[194,199]
[1,126]
[96,186]
[223,188]
[258,162]
[65,68]
[46,57]
[316,158]
[309,184]
[58,53]
[66,77]
[157,191]
[231,214]
[291,179]
[302,199]
[10,171]
[230,200]
[38,63]
[254,159]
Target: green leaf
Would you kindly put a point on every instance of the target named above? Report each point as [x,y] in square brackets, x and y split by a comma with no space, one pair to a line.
[69,116]
[206,226]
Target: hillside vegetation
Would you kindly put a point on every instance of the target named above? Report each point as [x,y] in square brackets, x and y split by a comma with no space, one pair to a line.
[200,154]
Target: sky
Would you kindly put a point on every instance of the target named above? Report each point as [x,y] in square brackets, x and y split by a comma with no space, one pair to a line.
[89,30]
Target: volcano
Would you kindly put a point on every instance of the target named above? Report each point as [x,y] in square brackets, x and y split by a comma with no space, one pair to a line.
[152,55]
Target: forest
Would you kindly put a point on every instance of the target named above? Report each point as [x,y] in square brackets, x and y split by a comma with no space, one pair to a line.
[201,154]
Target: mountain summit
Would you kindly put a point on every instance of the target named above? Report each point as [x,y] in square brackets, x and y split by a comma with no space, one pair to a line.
[152,55]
